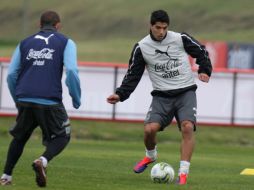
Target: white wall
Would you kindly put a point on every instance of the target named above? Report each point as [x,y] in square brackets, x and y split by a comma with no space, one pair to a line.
[215,99]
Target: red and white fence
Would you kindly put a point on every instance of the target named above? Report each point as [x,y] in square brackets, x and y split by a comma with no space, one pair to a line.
[228,99]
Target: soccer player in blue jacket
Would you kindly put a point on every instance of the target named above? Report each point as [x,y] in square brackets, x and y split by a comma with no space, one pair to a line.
[34,80]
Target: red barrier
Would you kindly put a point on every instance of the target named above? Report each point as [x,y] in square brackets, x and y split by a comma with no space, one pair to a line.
[124,65]
[217,53]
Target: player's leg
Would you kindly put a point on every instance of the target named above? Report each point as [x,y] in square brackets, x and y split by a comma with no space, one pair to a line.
[188,140]
[21,132]
[187,147]
[156,120]
[150,131]
[53,148]
[186,117]
[55,127]
[14,152]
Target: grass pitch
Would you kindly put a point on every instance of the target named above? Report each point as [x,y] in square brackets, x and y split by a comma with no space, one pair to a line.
[101,156]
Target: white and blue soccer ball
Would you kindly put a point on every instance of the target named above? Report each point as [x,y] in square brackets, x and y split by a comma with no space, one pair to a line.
[162,173]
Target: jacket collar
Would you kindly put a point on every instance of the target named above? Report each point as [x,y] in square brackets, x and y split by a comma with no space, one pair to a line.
[48,28]
[154,39]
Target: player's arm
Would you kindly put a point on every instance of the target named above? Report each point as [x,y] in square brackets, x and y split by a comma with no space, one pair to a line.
[13,72]
[132,77]
[72,79]
[198,51]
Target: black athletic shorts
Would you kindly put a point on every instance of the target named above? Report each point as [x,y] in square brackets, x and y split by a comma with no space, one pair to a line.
[164,109]
[52,119]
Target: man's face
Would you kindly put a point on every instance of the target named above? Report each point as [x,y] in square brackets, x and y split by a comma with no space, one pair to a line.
[159,30]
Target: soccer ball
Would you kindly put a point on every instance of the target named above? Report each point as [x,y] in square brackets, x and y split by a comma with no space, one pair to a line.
[162,173]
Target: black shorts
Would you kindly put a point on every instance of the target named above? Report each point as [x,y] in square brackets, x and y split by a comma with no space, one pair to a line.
[164,109]
[52,119]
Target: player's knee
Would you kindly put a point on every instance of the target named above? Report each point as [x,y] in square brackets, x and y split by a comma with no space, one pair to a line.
[187,127]
[150,129]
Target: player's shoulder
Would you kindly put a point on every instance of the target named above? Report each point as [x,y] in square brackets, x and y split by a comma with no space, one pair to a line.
[61,35]
[147,38]
[185,34]
[173,34]
[29,37]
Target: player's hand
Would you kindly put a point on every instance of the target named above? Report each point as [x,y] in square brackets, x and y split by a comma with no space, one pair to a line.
[112,99]
[203,77]
[76,104]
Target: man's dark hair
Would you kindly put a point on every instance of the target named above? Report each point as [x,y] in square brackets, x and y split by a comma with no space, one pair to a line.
[159,16]
[49,18]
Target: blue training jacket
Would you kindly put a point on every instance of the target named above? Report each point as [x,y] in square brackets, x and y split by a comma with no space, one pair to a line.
[36,68]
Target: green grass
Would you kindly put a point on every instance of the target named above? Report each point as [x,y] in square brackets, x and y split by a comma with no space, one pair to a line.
[106,31]
[109,50]
[101,156]
[93,19]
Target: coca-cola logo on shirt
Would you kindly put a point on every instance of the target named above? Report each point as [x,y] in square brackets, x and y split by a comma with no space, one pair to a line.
[45,53]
